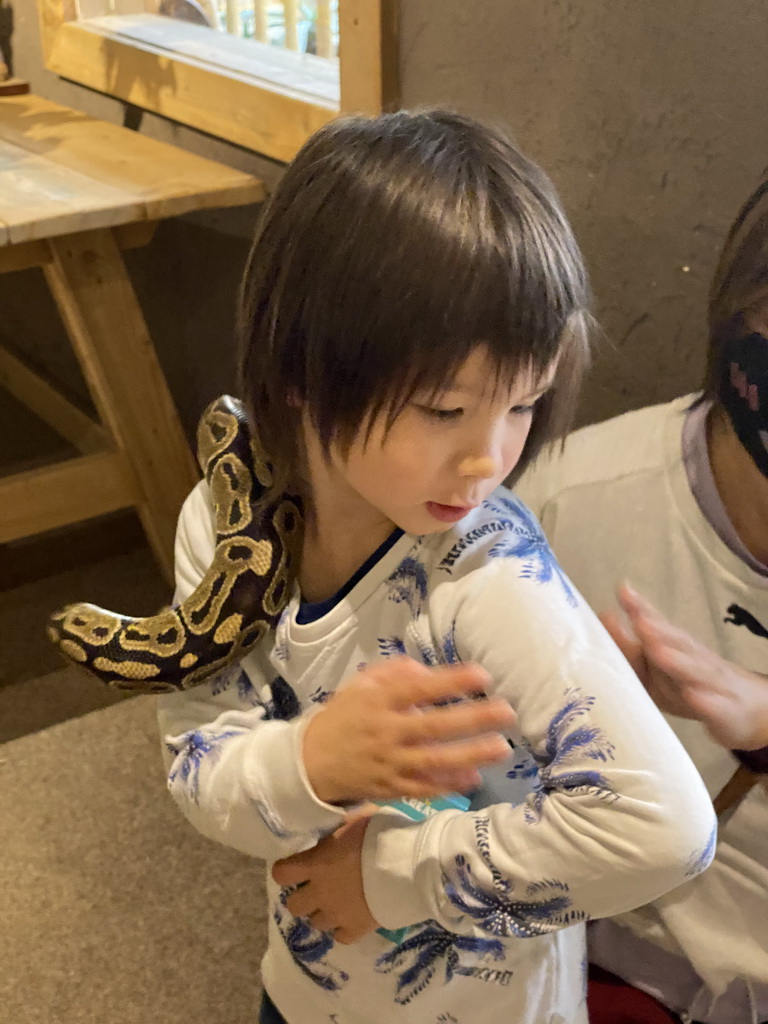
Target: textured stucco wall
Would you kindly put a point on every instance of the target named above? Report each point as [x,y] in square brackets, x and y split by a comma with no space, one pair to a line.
[650,116]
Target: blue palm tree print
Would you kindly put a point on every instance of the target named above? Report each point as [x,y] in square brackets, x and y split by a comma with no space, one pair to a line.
[196,746]
[568,738]
[308,947]
[422,954]
[246,691]
[391,646]
[442,653]
[546,906]
[408,584]
[524,540]
[701,859]
[280,650]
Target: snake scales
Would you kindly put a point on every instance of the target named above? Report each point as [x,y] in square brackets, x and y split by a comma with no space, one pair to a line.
[238,600]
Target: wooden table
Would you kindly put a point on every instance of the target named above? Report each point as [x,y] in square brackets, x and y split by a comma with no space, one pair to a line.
[74,193]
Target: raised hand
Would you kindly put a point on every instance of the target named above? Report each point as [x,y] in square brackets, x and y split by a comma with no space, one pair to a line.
[380,735]
[687,679]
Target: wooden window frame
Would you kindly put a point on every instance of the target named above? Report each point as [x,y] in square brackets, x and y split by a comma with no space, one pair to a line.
[249,112]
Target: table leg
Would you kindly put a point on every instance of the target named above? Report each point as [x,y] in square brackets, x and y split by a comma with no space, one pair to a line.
[101,313]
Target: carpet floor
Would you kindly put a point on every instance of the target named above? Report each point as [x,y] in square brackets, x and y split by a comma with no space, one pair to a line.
[113,910]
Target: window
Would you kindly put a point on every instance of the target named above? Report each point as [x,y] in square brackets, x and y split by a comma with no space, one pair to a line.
[261,73]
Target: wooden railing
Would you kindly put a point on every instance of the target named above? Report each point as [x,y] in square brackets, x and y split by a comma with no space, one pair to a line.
[305,25]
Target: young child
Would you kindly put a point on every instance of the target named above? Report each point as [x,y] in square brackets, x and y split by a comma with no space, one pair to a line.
[675,499]
[414,326]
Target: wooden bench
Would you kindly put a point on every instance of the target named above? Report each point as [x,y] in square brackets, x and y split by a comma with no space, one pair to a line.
[74,193]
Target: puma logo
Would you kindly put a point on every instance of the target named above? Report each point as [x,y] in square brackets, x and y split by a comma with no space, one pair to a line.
[739,616]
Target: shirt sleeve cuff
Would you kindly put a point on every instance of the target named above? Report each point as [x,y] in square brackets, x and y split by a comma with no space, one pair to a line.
[393,891]
[286,788]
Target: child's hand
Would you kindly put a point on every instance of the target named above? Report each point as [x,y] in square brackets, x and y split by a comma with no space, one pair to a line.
[687,679]
[331,879]
[379,737]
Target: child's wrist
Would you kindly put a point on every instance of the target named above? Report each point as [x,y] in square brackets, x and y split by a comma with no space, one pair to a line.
[316,768]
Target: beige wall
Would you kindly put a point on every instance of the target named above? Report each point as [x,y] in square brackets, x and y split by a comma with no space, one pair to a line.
[647,113]
[651,117]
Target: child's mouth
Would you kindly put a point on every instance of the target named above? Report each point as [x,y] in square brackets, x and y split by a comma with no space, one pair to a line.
[447,513]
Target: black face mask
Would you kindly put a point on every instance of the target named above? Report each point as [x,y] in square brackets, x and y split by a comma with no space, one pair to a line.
[743,393]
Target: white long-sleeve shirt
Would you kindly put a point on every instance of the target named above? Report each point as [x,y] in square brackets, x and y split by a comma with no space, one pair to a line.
[615,814]
[617,504]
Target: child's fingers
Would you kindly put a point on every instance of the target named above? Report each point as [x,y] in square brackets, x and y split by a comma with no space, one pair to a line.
[656,633]
[684,667]
[440,759]
[624,639]
[639,610]
[407,683]
[458,721]
[365,810]
[303,902]
[290,871]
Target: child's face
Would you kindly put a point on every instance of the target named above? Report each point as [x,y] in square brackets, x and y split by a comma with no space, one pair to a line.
[443,456]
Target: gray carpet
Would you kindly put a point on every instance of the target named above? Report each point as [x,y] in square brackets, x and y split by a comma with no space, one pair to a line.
[39,703]
[113,910]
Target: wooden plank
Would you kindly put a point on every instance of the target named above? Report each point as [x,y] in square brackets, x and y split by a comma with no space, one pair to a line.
[23,256]
[14,87]
[234,107]
[303,75]
[233,17]
[368,55]
[260,20]
[26,255]
[67,492]
[125,176]
[291,22]
[40,198]
[52,407]
[323,34]
[135,235]
[100,311]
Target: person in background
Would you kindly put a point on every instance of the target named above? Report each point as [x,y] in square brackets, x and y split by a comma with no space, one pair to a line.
[668,508]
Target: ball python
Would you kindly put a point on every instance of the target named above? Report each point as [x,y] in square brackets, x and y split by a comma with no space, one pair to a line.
[237,602]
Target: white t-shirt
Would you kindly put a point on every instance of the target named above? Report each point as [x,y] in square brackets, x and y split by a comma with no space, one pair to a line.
[617,505]
[499,895]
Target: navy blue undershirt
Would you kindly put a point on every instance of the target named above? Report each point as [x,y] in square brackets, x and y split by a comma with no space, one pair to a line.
[311,611]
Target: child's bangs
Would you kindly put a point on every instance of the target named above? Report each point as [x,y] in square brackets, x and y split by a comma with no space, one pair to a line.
[505,296]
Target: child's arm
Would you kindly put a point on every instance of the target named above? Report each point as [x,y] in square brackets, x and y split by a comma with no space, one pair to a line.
[687,679]
[619,814]
[269,786]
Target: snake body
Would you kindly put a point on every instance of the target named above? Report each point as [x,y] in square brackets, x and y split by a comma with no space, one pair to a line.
[238,600]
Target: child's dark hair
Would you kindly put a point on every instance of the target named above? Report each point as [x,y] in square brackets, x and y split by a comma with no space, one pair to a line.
[740,282]
[390,249]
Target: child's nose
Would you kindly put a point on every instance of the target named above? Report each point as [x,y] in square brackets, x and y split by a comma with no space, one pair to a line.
[479,467]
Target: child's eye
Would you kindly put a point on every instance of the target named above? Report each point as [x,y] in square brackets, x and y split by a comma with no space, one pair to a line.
[522,410]
[441,414]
